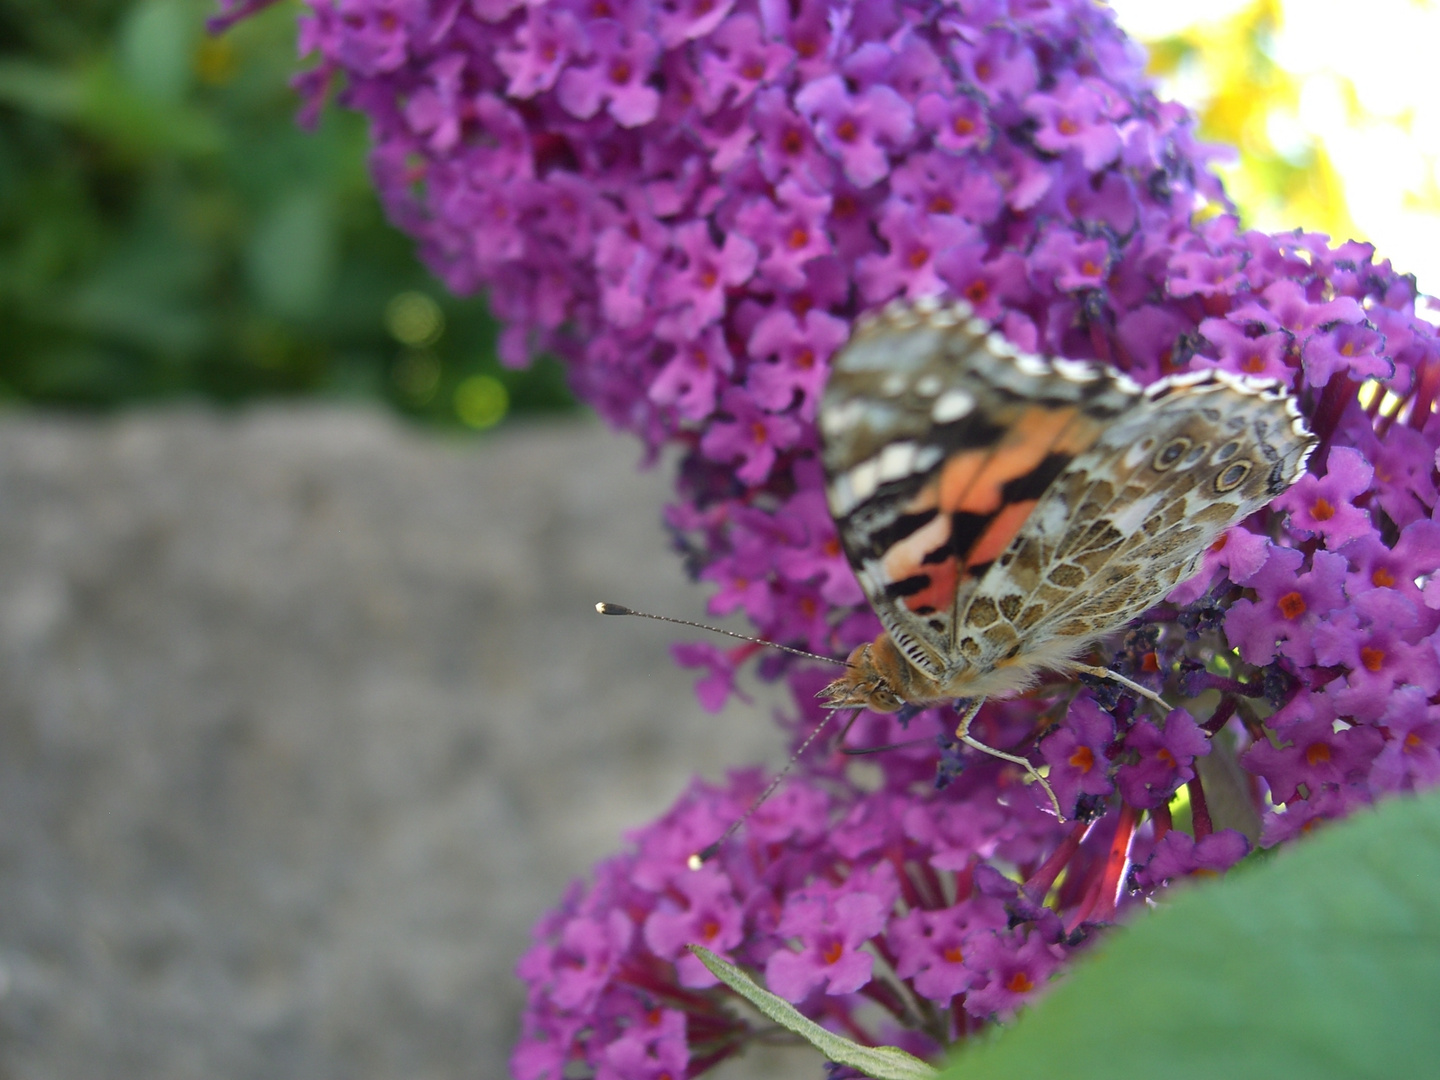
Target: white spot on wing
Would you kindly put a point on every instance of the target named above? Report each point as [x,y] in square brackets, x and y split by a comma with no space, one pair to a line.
[1077,370]
[896,460]
[1031,364]
[999,345]
[1129,519]
[836,419]
[1138,453]
[928,385]
[952,405]
[1052,520]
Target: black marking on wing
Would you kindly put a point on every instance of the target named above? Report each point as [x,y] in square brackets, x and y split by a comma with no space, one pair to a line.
[1037,481]
[965,531]
[968,433]
[883,539]
[907,586]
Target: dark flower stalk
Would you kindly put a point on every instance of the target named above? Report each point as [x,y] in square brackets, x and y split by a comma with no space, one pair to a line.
[690,203]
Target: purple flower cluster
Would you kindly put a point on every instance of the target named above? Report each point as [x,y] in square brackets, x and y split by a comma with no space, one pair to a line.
[811,897]
[690,201]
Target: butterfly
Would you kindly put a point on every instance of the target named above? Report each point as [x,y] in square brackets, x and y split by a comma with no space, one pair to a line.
[1003,511]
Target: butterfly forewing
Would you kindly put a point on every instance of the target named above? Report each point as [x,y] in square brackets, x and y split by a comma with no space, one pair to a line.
[939,437]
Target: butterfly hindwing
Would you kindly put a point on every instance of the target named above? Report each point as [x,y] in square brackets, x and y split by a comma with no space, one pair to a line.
[1131,518]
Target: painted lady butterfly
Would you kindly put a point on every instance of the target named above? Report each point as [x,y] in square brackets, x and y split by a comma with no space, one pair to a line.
[1004,511]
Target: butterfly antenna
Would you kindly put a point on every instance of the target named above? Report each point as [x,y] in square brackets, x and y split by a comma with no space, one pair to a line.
[863,751]
[705,854]
[616,609]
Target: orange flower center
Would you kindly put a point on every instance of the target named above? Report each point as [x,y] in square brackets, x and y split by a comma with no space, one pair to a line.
[1019,983]
[846,131]
[1382,578]
[1317,753]
[1292,605]
[1322,510]
[1373,659]
[1083,759]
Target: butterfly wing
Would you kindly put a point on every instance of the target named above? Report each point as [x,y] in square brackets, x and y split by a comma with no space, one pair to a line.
[1130,518]
[939,440]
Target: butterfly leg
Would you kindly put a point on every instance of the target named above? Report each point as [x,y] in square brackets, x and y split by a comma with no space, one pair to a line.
[1129,684]
[962,732]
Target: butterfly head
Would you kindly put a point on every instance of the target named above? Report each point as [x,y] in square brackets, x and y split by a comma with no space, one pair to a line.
[874,678]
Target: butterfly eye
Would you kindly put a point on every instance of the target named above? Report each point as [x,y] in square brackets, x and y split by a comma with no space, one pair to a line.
[1232,477]
[1174,450]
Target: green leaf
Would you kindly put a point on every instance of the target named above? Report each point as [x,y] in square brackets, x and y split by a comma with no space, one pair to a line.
[880,1062]
[95,99]
[156,44]
[292,256]
[1323,962]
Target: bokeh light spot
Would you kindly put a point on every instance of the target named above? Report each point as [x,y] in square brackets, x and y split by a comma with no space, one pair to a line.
[414,319]
[481,401]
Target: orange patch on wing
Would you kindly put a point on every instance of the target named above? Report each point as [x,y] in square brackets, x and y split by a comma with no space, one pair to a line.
[997,537]
[906,558]
[971,482]
[939,595]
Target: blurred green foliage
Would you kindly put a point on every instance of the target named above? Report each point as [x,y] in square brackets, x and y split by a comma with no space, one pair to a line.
[167,231]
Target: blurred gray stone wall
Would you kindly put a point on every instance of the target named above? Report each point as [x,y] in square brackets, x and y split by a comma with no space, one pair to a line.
[306,716]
